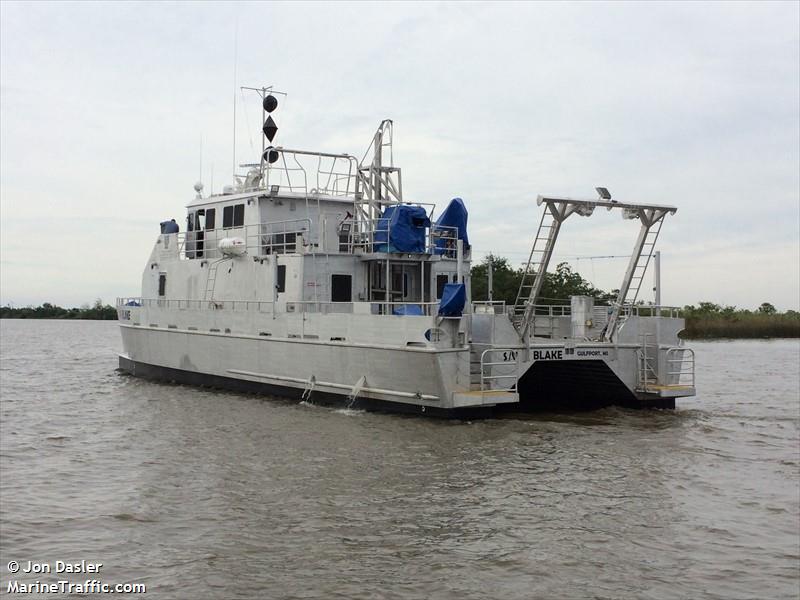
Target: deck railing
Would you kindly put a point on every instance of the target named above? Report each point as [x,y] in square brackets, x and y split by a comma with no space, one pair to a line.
[375,235]
[490,380]
[307,173]
[411,309]
[497,307]
[650,310]
[407,309]
[679,364]
[276,237]
[233,305]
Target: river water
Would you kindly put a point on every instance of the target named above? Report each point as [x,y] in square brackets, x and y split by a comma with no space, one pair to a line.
[206,494]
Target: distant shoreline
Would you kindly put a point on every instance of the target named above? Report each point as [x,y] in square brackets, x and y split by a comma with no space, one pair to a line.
[736,326]
[741,326]
[97,312]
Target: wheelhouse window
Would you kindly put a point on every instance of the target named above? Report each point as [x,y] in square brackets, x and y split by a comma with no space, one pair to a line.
[233,216]
[210,213]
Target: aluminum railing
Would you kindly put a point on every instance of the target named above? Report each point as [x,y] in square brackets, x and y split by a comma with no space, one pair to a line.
[233,305]
[408,309]
[650,310]
[679,363]
[487,380]
[497,307]
[411,309]
[643,310]
[277,237]
[328,174]
[375,235]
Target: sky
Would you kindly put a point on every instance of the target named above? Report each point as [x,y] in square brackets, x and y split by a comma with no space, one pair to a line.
[104,109]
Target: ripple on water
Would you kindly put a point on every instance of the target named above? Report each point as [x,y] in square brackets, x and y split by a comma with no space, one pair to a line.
[199,492]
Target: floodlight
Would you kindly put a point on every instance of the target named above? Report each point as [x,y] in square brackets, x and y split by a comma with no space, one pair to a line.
[604,193]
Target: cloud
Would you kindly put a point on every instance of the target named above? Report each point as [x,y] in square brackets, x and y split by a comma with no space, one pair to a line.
[102,108]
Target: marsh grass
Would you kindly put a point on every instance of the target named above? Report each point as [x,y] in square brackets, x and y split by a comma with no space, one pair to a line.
[742,325]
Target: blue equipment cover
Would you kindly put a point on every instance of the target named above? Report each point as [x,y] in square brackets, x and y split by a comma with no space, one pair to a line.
[408,309]
[169,227]
[404,226]
[455,215]
[454,297]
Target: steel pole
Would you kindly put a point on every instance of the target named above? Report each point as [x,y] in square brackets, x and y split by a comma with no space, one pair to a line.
[657,283]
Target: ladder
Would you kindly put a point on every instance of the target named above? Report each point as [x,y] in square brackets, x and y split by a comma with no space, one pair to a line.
[637,276]
[647,359]
[211,280]
[535,270]
[651,221]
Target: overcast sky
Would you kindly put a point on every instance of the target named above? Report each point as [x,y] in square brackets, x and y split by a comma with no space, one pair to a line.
[103,106]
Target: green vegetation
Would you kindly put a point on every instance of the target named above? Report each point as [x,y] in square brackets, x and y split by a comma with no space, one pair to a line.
[557,288]
[98,311]
[707,320]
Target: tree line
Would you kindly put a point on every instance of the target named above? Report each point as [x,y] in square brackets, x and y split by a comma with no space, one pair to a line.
[98,312]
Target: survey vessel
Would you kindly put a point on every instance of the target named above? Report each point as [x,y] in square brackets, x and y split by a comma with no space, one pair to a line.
[311,277]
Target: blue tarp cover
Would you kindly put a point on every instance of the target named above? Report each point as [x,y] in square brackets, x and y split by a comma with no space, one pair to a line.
[169,227]
[455,215]
[454,297]
[405,226]
[408,309]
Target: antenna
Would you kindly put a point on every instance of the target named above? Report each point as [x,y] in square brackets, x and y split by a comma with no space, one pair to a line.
[235,60]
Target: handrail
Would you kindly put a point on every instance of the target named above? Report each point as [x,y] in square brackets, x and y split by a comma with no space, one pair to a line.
[360,234]
[488,379]
[185,304]
[497,307]
[333,180]
[643,310]
[680,367]
[372,307]
[302,307]
[270,237]
[652,310]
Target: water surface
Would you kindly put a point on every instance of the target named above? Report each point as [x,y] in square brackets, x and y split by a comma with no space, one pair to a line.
[206,494]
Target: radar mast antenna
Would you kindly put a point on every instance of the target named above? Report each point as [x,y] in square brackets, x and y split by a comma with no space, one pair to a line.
[235,60]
